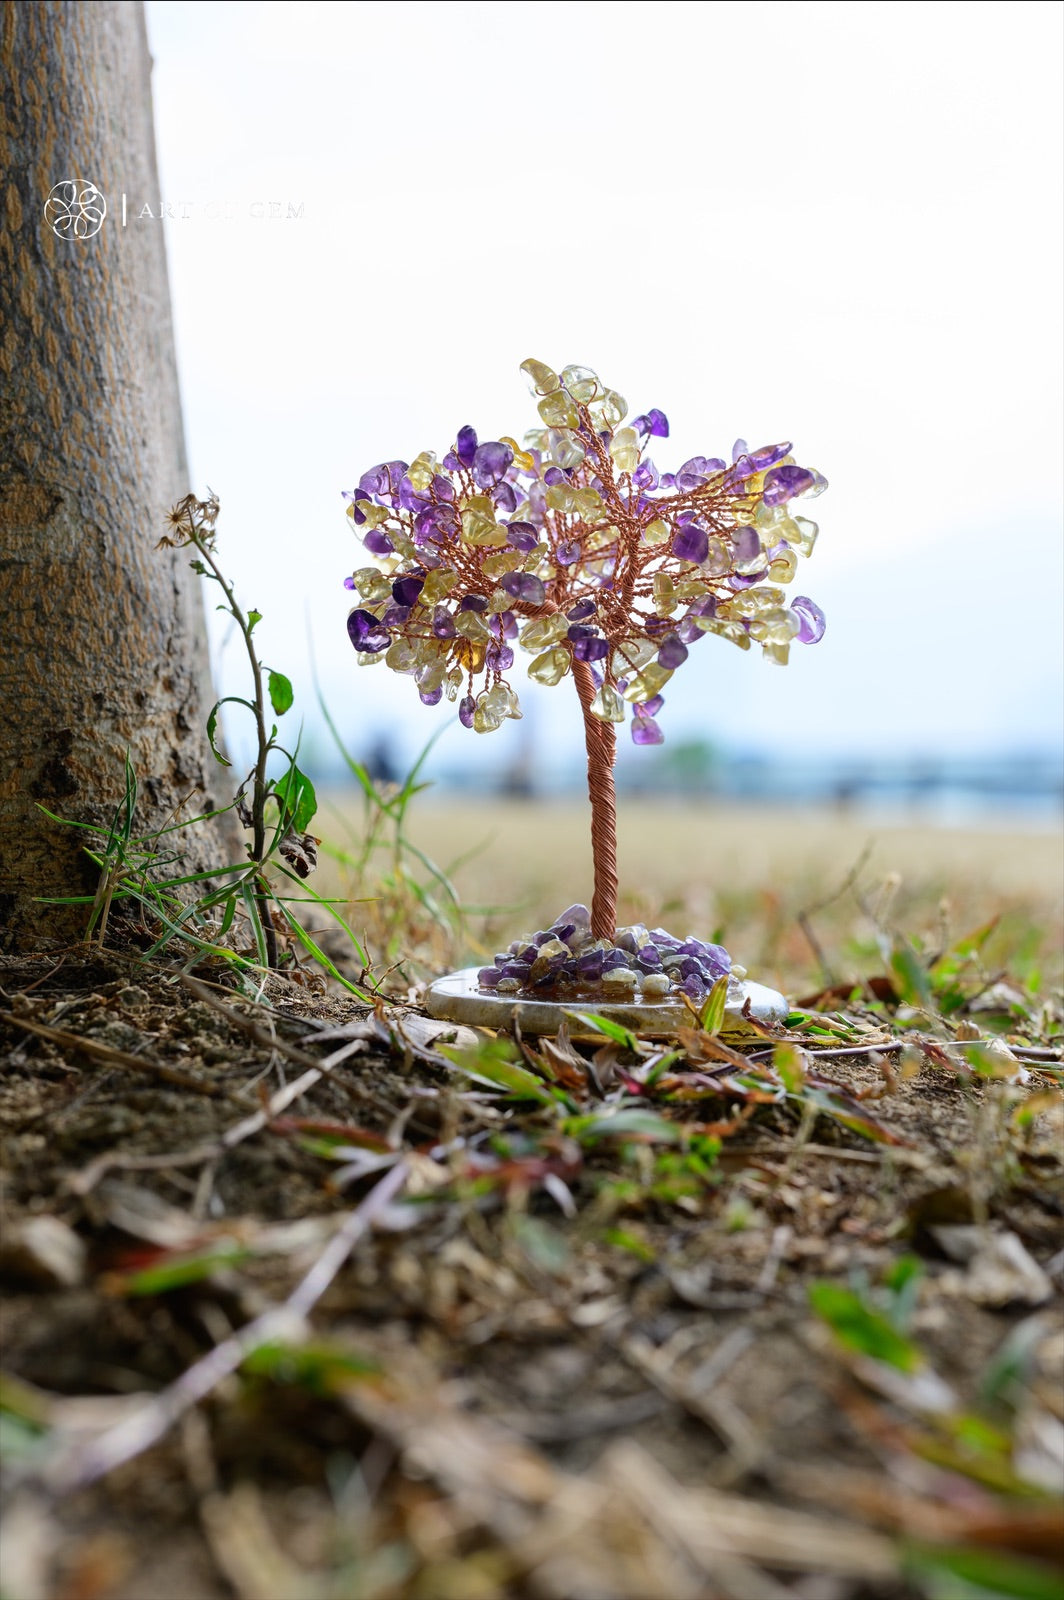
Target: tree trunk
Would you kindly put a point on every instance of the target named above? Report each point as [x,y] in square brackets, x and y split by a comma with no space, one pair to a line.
[600,740]
[104,644]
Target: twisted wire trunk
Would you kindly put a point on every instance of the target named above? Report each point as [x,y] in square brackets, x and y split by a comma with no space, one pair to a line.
[600,739]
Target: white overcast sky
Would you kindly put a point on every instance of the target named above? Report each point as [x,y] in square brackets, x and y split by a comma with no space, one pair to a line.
[835,223]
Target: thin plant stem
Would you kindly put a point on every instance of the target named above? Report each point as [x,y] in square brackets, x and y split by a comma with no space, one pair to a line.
[258,786]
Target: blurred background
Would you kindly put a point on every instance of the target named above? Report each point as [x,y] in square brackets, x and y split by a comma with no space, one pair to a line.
[837,224]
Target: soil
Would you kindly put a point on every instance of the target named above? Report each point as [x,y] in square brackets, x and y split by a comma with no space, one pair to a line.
[555,1362]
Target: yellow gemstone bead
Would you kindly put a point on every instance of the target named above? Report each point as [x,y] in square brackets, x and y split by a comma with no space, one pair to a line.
[615,407]
[587,503]
[453,683]
[624,449]
[521,457]
[543,631]
[478,522]
[804,536]
[438,582]
[372,585]
[646,684]
[375,516]
[783,568]
[366,659]
[690,589]
[581,382]
[505,561]
[608,705]
[485,718]
[469,654]
[422,470]
[664,592]
[558,410]
[401,656]
[536,439]
[656,532]
[632,655]
[469,625]
[551,666]
[560,496]
[778,654]
[544,379]
[566,449]
[718,559]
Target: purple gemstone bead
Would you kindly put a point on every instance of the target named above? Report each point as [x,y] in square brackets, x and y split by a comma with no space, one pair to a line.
[488,977]
[591,963]
[405,590]
[589,645]
[411,499]
[466,707]
[394,616]
[499,657]
[378,543]
[430,697]
[568,551]
[717,960]
[466,445]
[694,987]
[673,652]
[691,543]
[451,463]
[555,475]
[443,488]
[522,536]
[490,462]
[650,708]
[769,454]
[473,602]
[524,586]
[505,497]
[366,632]
[646,475]
[349,583]
[646,731]
[811,618]
[582,610]
[443,623]
[373,482]
[747,545]
[784,483]
[648,959]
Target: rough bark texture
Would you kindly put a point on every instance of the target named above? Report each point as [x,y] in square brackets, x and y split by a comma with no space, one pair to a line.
[103,635]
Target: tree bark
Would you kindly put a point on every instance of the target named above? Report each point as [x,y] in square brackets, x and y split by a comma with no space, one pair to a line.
[104,644]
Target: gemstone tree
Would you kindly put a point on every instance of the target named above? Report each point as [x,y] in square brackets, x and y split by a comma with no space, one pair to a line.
[575,546]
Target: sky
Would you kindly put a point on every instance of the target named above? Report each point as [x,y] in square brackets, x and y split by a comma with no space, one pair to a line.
[833,223]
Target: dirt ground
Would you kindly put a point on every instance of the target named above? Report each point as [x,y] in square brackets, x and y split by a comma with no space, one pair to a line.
[299,1306]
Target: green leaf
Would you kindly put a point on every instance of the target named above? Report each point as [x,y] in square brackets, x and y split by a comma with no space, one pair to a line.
[711,1017]
[914,986]
[321,1368]
[298,800]
[492,1062]
[861,1327]
[612,1030]
[177,1271]
[281,695]
[212,725]
[973,1572]
[630,1120]
[253,618]
[790,1067]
